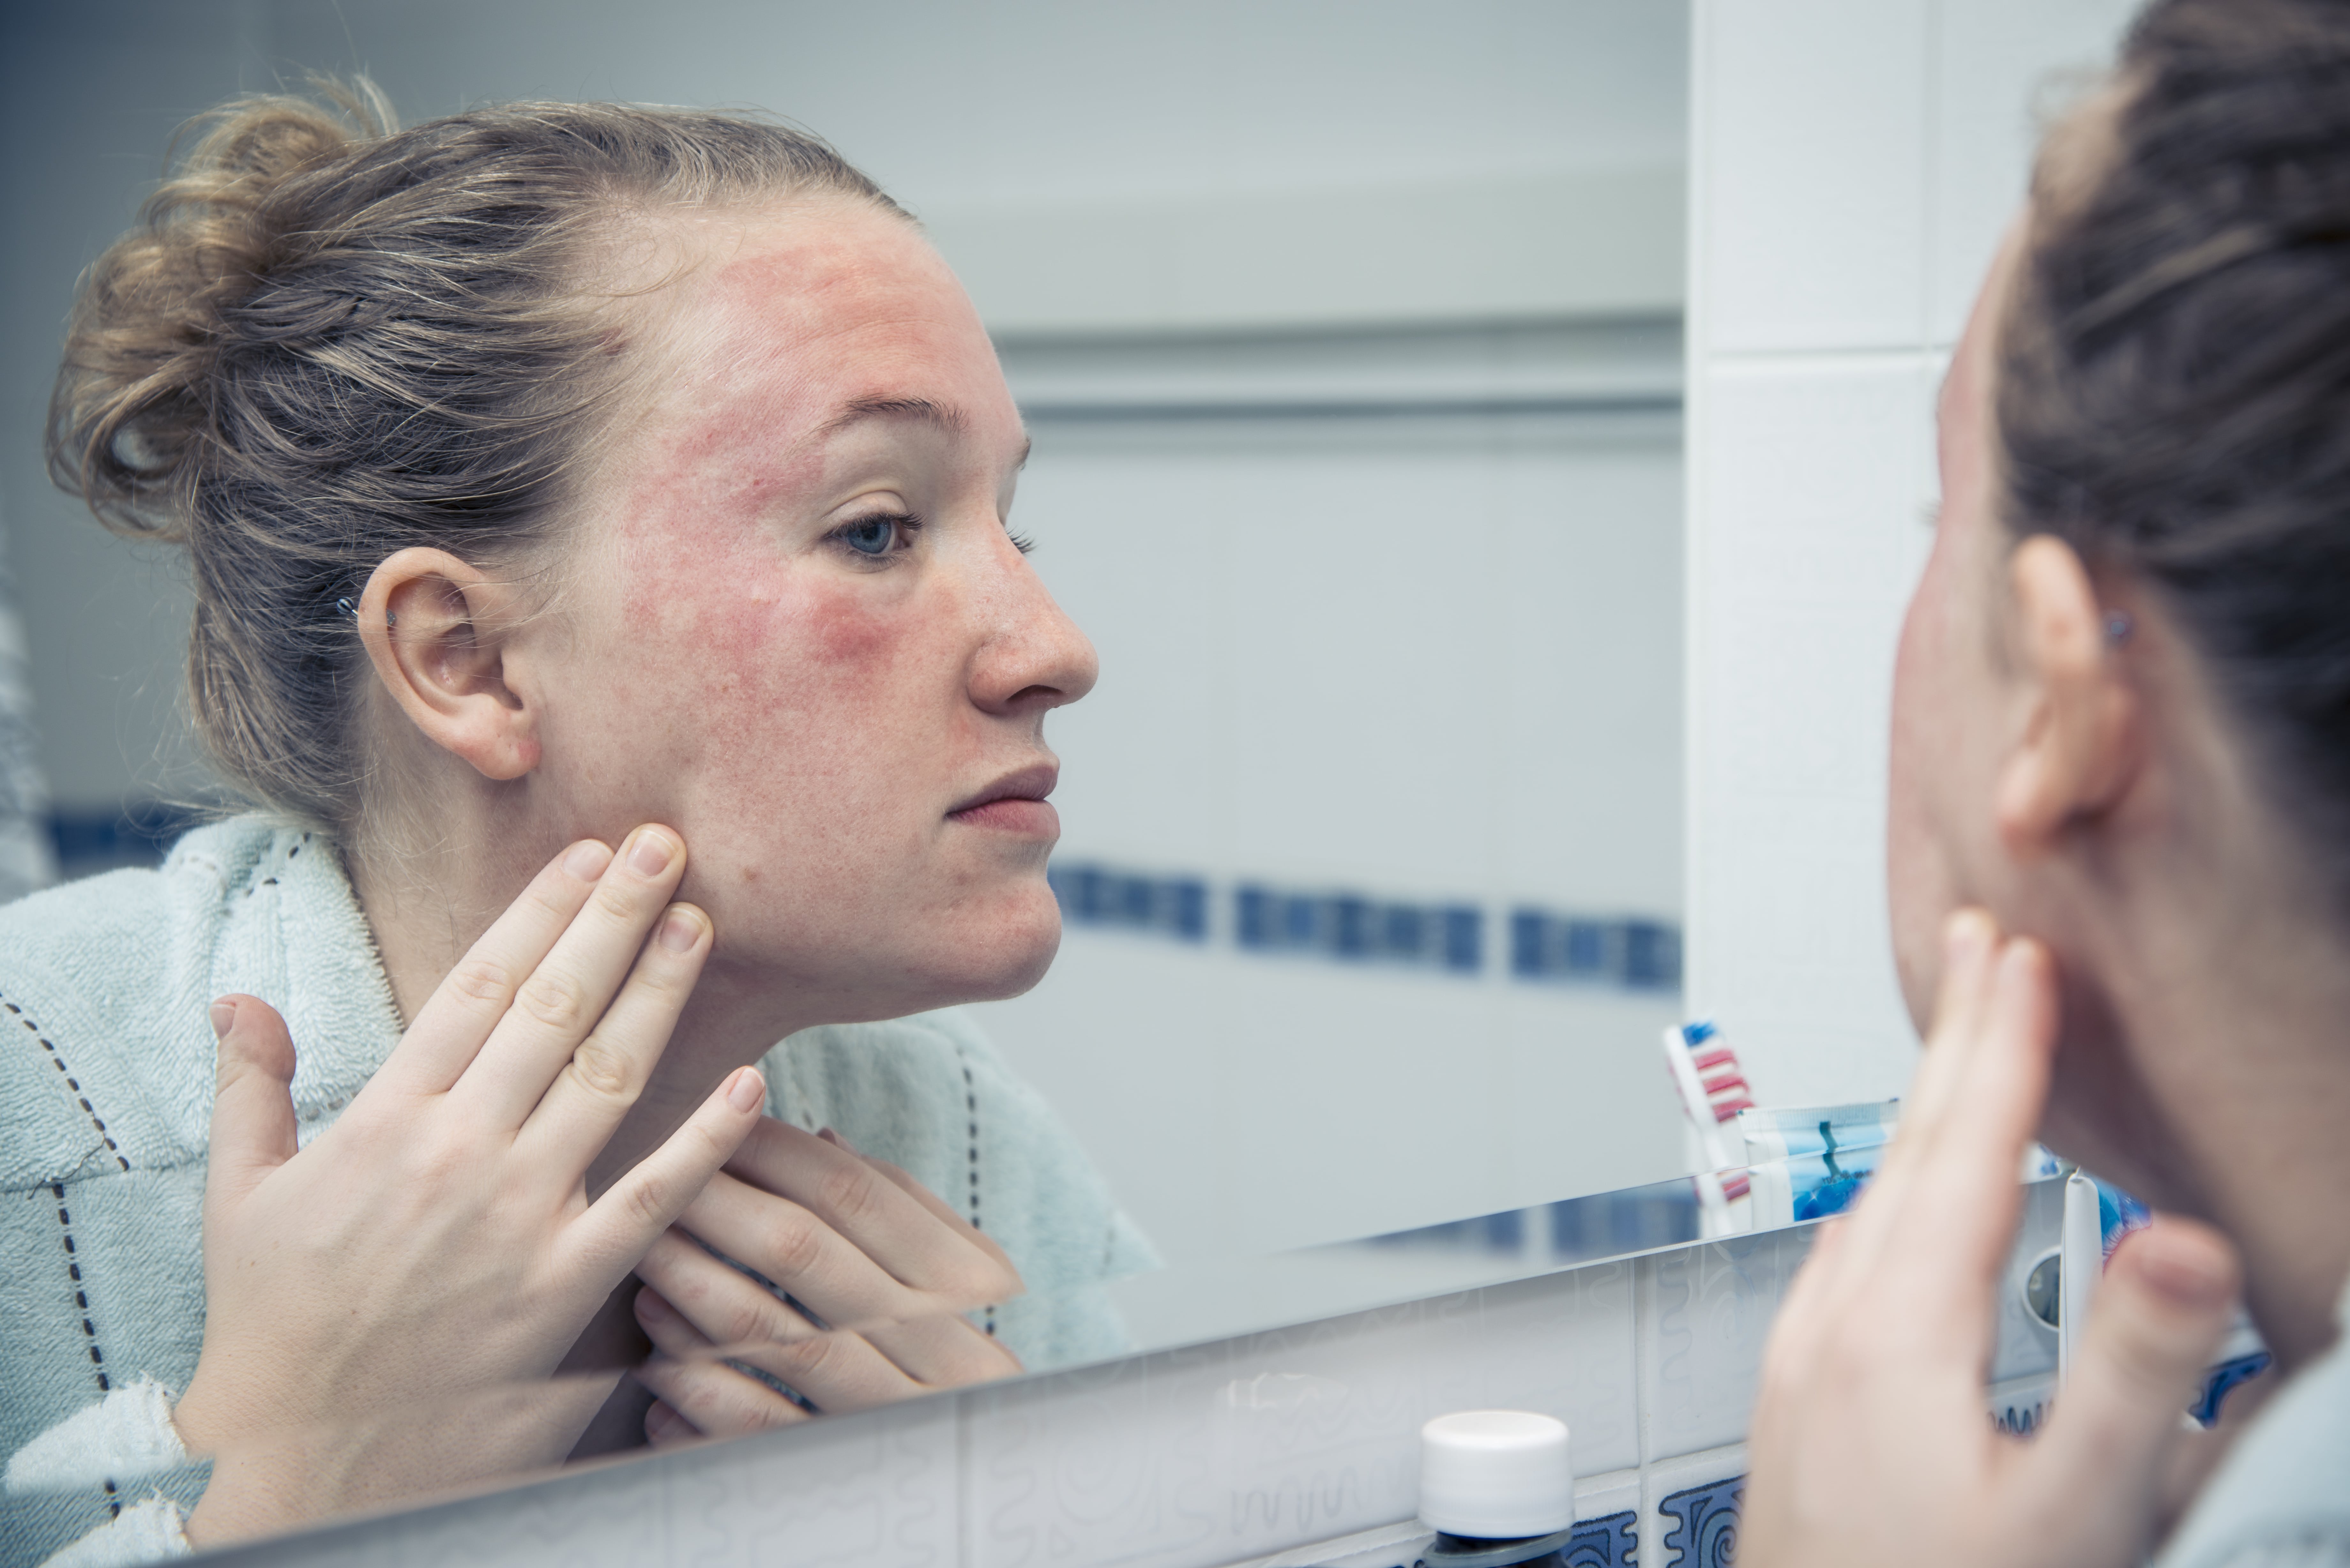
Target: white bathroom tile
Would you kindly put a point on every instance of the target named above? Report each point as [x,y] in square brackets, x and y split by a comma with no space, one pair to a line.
[1705,1313]
[1561,1344]
[1690,1508]
[1116,1463]
[1809,178]
[883,1489]
[2001,69]
[1811,487]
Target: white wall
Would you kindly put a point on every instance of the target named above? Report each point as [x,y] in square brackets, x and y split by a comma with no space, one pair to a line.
[1853,162]
[1432,658]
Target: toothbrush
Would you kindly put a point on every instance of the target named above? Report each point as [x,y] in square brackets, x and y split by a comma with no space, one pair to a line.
[1712,1091]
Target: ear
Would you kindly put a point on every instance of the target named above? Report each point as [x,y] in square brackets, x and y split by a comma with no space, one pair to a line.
[2077,748]
[436,632]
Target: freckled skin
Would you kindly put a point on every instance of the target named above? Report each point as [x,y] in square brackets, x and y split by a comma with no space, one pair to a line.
[805,716]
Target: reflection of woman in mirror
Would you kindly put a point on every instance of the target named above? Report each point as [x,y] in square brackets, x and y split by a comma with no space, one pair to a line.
[2121,733]
[547,472]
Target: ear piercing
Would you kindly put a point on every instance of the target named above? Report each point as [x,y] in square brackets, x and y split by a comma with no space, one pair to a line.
[2118,627]
[351,611]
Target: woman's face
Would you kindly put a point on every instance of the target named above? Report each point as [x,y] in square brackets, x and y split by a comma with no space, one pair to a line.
[1947,695]
[801,632]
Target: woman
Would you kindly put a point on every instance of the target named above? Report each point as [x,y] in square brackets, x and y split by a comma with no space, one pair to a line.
[553,476]
[2122,755]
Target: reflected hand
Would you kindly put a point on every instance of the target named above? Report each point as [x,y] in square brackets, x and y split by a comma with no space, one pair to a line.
[438,1239]
[886,1267]
[1870,1440]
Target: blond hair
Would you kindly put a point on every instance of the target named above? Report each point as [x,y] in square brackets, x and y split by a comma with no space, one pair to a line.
[327,339]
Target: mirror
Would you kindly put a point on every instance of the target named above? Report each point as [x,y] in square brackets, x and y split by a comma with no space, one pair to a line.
[1348,340]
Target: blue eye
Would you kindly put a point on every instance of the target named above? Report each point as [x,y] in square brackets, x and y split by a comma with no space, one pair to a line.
[876,535]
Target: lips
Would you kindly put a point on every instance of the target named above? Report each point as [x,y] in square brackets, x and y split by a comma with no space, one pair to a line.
[1014,804]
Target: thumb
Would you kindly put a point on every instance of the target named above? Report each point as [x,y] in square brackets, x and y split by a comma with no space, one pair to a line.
[2159,1314]
[253,1102]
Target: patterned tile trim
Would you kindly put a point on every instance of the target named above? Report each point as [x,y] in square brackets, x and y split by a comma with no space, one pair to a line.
[1610,1541]
[1704,1529]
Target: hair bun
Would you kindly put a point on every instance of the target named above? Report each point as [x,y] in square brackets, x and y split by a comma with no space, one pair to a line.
[132,411]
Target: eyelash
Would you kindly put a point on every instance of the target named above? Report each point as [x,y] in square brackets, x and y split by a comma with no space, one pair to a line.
[907,525]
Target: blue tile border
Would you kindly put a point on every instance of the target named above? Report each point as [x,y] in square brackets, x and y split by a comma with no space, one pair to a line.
[1348,925]
[1610,1541]
[1704,1533]
[1643,955]
[1093,895]
[1354,928]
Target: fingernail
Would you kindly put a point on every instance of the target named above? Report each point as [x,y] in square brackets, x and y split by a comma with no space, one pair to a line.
[653,852]
[681,930]
[223,1018]
[650,1303]
[587,860]
[661,1422]
[742,1091]
[1966,935]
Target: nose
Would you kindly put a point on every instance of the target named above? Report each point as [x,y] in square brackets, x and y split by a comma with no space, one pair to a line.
[1033,657]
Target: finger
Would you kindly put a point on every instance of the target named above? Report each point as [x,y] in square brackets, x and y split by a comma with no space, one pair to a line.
[621,1226]
[714,1400]
[904,1181]
[947,1351]
[692,1377]
[1946,1197]
[576,1114]
[1968,1168]
[799,1254]
[2165,1304]
[253,1130]
[665,1429]
[1970,945]
[449,1030]
[558,1005]
[919,1246]
[724,1305]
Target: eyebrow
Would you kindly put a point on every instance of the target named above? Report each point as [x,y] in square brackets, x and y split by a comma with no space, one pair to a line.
[950,420]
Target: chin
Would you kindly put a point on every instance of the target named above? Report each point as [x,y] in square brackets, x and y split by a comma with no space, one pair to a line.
[988,957]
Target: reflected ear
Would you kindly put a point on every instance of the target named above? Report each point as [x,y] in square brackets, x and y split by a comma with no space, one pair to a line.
[2076,749]
[435,630]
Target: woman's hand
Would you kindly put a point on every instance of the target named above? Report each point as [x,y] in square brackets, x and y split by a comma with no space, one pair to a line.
[1870,1441]
[437,1244]
[885,1266]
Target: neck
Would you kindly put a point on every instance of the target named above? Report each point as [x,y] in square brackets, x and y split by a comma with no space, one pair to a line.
[426,908]
[2205,1066]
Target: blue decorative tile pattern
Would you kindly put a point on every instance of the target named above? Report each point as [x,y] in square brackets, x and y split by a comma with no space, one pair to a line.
[2021,1417]
[1610,1541]
[1354,928]
[2224,1379]
[1344,926]
[1093,895]
[1704,1533]
[1545,946]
